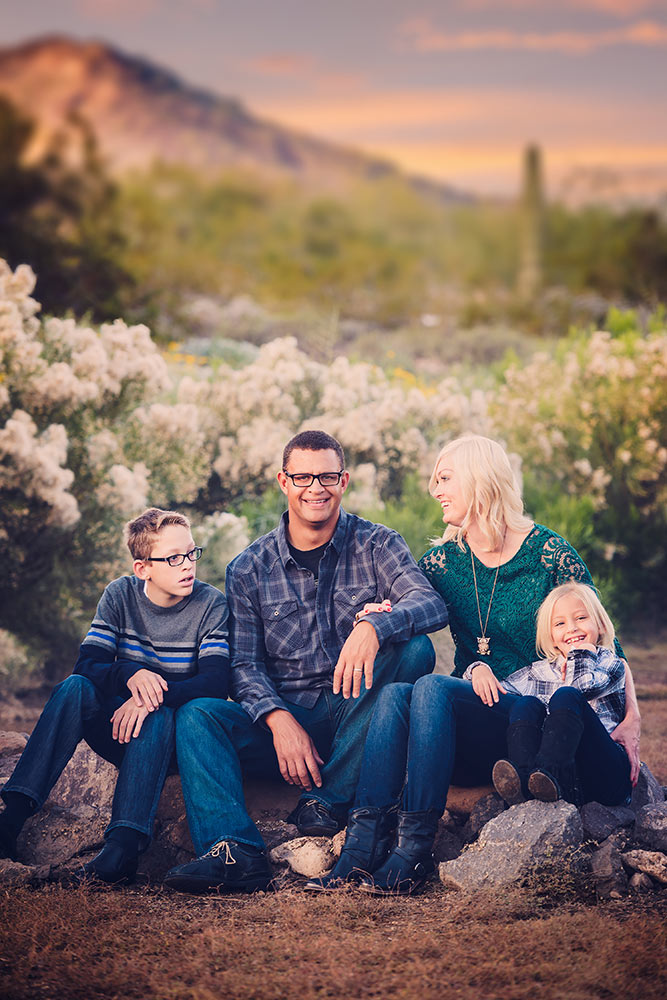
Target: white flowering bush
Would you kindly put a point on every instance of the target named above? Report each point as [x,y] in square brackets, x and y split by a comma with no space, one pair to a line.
[590,424]
[92,430]
[84,444]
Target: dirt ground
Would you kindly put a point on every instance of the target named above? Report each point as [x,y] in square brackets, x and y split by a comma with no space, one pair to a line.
[550,940]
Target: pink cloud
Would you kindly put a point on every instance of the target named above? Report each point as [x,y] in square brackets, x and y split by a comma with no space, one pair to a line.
[422,36]
[619,8]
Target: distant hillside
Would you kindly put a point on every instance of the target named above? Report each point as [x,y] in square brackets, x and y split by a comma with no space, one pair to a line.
[142,112]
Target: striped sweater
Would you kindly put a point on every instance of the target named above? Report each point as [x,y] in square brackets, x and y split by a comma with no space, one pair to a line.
[187,644]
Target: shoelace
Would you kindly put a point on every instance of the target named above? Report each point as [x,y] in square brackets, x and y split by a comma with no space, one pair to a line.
[217,850]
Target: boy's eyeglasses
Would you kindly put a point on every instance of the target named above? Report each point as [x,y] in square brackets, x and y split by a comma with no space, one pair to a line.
[307,478]
[178,558]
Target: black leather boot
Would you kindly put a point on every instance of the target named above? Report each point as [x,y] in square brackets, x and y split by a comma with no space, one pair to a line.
[370,834]
[510,777]
[555,773]
[411,861]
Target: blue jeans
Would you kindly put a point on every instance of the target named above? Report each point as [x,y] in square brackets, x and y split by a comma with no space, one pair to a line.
[603,767]
[423,737]
[76,711]
[217,743]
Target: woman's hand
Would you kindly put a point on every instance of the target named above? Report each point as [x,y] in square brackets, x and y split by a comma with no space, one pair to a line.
[485,684]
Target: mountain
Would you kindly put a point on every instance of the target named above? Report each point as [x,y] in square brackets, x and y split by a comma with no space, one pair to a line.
[142,112]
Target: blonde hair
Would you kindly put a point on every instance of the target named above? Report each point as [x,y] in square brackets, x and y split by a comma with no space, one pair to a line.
[490,489]
[544,643]
[142,532]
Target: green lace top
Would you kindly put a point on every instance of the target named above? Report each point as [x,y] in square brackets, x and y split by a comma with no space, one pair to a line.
[543,561]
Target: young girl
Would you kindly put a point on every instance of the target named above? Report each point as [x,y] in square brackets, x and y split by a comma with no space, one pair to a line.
[558,740]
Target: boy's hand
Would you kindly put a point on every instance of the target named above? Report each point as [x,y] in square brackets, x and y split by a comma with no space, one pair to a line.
[147,689]
[485,684]
[126,721]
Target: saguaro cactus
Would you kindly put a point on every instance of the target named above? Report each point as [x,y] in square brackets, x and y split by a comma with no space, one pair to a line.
[531,221]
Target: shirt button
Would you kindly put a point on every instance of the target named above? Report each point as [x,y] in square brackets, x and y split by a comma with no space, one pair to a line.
[276,612]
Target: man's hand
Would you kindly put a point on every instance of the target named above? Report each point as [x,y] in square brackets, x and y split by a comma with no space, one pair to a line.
[147,689]
[485,684]
[296,752]
[627,733]
[357,658]
[126,721]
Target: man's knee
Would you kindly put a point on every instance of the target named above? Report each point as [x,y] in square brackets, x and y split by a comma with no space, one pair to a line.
[203,715]
[393,697]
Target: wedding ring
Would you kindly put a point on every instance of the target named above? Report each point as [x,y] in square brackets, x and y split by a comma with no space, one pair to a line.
[358,670]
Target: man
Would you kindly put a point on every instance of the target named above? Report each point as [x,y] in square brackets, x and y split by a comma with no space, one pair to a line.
[306,665]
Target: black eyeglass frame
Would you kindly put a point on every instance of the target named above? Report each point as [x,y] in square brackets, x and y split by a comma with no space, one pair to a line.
[312,477]
[194,555]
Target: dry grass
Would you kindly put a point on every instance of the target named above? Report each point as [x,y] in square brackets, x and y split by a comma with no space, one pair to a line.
[146,944]
[550,941]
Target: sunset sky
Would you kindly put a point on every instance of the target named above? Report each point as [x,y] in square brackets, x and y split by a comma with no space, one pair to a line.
[453,89]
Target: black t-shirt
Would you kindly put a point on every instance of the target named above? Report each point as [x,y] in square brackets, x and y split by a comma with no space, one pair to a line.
[309,558]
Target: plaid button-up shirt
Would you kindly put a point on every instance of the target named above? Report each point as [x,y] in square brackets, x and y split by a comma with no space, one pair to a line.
[287,630]
[600,676]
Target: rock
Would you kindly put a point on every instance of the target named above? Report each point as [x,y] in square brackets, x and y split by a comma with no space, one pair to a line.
[485,809]
[76,814]
[514,844]
[601,821]
[639,882]
[309,856]
[14,874]
[646,791]
[448,845]
[460,801]
[337,842]
[12,744]
[609,876]
[651,826]
[652,863]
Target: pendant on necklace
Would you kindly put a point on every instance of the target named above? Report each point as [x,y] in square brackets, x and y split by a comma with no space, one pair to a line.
[483,645]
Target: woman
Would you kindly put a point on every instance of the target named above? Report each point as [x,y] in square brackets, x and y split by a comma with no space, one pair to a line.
[494,567]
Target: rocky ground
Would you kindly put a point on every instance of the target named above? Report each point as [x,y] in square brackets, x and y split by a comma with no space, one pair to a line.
[555,884]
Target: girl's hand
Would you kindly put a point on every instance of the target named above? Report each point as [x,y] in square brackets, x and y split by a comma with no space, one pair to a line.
[485,684]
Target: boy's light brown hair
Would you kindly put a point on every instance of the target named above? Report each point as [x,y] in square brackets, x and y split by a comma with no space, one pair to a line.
[142,532]
[544,643]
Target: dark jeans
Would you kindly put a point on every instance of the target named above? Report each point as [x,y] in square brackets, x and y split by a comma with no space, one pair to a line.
[603,767]
[76,711]
[217,743]
[425,736]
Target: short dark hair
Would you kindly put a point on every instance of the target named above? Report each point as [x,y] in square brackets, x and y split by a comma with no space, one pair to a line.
[313,441]
[142,532]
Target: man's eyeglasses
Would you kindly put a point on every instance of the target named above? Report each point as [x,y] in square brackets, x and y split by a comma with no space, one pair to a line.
[307,478]
[178,558]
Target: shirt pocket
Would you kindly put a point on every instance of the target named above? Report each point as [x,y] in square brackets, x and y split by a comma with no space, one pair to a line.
[349,600]
[282,628]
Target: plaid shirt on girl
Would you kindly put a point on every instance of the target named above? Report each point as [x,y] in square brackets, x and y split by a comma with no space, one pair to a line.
[600,676]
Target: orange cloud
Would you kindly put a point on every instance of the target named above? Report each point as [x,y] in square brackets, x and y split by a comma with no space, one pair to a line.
[475,138]
[284,64]
[422,36]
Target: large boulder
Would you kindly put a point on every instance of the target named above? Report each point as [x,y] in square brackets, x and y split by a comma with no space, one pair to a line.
[651,826]
[647,790]
[514,844]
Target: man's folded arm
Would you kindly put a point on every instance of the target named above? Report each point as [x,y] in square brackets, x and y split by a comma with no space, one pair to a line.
[416,607]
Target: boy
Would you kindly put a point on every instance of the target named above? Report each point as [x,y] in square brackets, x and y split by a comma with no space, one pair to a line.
[158,639]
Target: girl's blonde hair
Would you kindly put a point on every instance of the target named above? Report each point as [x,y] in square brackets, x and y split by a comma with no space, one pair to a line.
[490,489]
[590,600]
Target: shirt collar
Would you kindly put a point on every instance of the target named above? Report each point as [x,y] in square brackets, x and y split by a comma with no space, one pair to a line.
[337,539]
